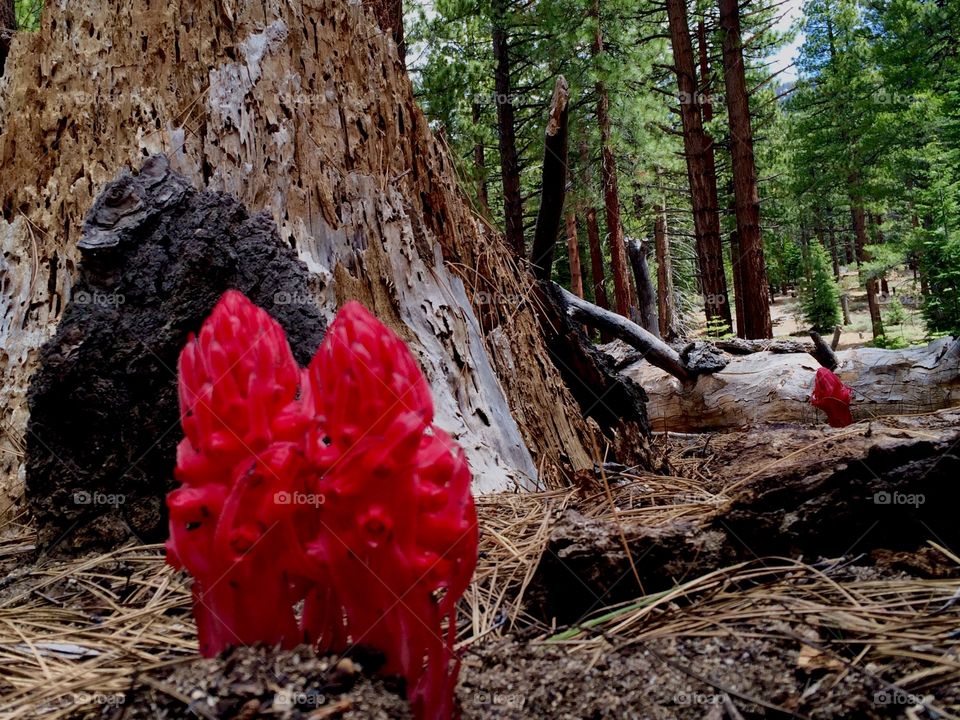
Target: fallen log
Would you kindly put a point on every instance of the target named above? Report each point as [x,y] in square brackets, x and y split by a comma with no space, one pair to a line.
[654,350]
[771,387]
[787,492]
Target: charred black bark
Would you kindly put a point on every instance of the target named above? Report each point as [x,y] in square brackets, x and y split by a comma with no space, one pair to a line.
[553,183]
[104,418]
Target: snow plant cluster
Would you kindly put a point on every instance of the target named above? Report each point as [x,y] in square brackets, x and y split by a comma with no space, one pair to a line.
[382,559]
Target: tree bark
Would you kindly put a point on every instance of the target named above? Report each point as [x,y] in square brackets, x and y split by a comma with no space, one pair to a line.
[480,165]
[646,296]
[506,127]
[573,253]
[873,286]
[611,192]
[389,14]
[703,183]
[597,277]
[8,25]
[750,263]
[666,300]
[553,183]
[354,181]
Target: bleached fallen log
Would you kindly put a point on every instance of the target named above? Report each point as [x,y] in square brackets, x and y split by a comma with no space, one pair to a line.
[771,387]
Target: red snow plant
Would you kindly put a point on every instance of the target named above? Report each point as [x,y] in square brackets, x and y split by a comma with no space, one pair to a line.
[321,505]
[833,397]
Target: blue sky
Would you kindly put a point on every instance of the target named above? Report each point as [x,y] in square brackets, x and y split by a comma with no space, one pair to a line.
[793,9]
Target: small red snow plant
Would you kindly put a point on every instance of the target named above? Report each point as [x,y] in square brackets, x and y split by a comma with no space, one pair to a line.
[321,506]
[833,397]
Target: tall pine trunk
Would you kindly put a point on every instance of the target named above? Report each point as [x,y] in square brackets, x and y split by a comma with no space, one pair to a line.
[480,163]
[750,265]
[666,301]
[859,217]
[598,281]
[573,253]
[611,193]
[506,127]
[703,182]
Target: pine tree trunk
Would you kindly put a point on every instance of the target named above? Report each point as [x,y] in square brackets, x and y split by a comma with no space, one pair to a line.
[573,254]
[750,264]
[480,163]
[506,127]
[860,233]
[666,301]
[703,182]
[738,280]
[596,260]
[646,296]
[611,192]
[350,174]
[834,253]
[598,281]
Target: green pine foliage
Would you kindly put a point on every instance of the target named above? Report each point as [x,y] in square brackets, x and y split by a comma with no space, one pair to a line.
[819,294]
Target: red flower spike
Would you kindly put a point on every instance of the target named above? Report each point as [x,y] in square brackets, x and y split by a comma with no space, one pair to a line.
[328,486]
[833,397]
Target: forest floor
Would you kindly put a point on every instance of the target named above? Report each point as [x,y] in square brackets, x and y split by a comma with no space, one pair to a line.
[863,632]
[788,322]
